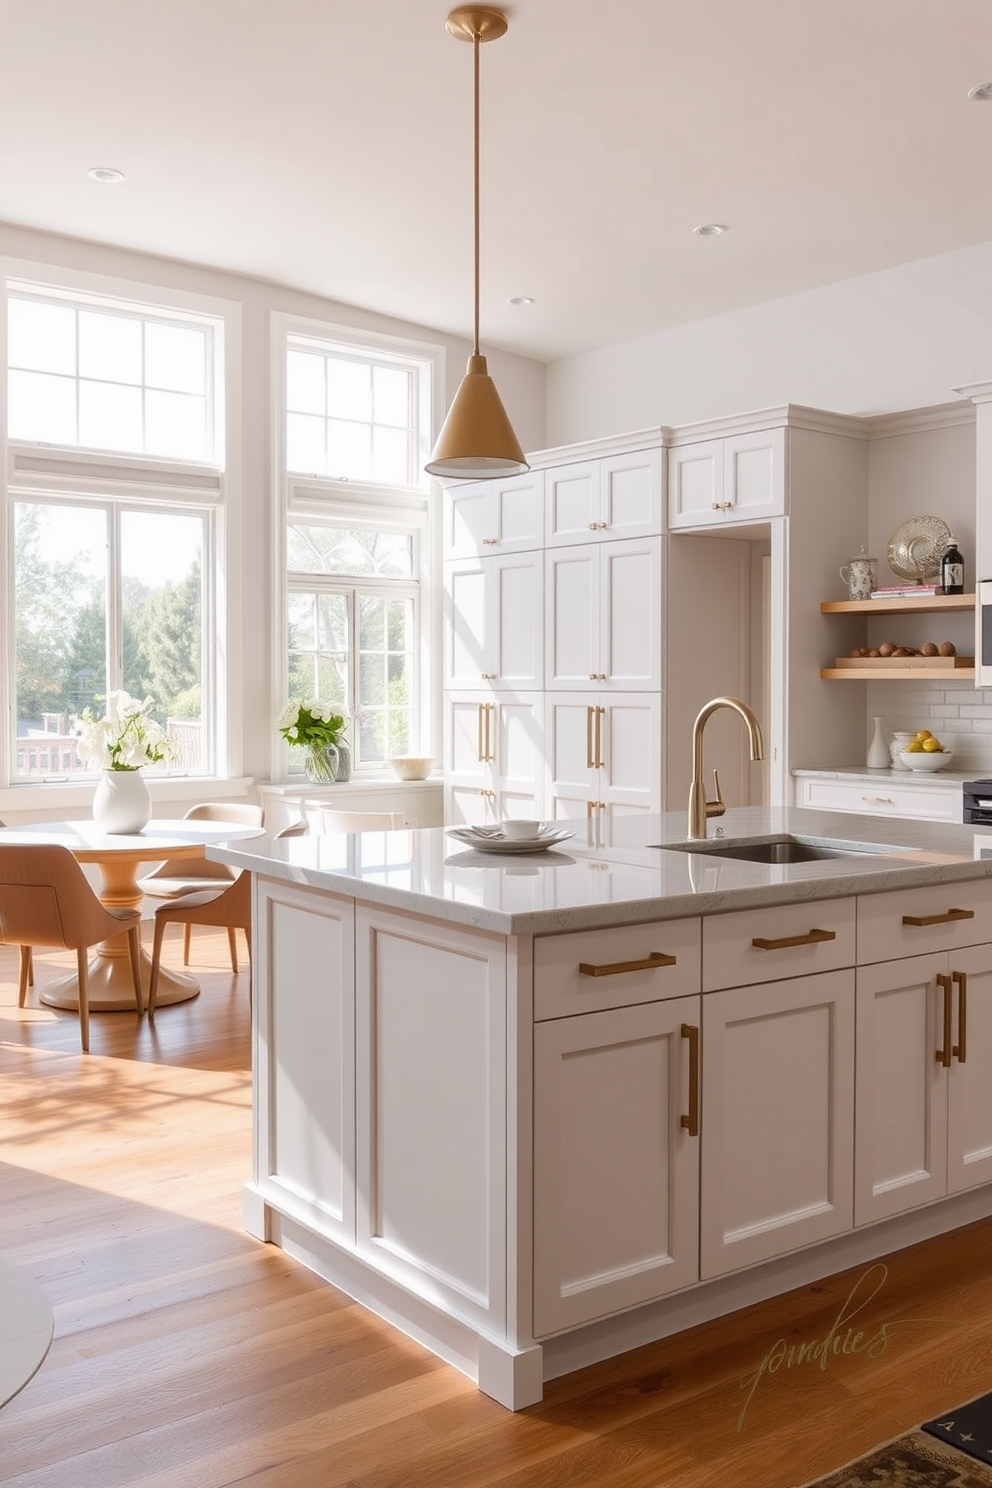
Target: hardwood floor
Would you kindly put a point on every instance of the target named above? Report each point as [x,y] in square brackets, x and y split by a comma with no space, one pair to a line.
[187,1355]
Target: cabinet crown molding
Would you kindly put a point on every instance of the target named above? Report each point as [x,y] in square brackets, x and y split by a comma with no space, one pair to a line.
[786,416]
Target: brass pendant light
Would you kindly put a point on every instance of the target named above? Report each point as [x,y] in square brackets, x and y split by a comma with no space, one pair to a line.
[476,441]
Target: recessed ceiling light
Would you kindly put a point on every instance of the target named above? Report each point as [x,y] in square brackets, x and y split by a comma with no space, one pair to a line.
[521,300]
[106,174]
[981,94]
[709,229]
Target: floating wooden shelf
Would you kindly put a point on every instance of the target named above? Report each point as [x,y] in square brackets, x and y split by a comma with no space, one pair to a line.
[899,673]
[923,605]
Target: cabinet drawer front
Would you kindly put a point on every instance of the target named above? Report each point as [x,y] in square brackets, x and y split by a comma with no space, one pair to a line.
[618,967]
[952,915]
[794,940]
[921,803]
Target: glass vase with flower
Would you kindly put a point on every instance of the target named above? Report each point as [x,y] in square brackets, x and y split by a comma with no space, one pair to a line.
[319,729]
[120,743]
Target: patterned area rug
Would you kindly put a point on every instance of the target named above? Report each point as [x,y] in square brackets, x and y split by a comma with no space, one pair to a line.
[951,1451]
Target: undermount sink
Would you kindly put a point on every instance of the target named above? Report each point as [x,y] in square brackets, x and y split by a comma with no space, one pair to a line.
[773,849]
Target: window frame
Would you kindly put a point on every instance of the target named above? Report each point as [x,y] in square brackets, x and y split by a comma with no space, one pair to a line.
[342,503]
[49,474]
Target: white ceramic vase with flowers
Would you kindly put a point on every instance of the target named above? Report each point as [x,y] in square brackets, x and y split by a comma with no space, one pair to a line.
[119,743]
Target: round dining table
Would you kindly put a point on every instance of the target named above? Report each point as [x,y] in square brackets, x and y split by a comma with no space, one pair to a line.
[118,856]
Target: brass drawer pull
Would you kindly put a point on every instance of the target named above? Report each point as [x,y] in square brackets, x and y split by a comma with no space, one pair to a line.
[691,1120]
[614,968]
[944,1054]
[812,937]
[941,919]
[961,977]
[879,800]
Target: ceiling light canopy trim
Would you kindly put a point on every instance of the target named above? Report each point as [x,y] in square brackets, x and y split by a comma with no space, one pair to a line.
[476,441]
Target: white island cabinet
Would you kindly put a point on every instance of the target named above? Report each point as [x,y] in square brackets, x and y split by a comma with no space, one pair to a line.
[538,1109]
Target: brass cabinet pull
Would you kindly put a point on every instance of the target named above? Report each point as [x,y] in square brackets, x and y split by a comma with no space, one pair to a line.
[812,937]
[482,721]
[879,800]
[691,1120]
[491,733]
[590,752]
[614,968]
[944,1054]
[490,542]
[961,977]
[939,919]
[600,715]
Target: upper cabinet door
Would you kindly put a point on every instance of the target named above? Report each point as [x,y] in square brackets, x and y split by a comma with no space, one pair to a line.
[573,503]
[516,623]
[630,615]
[630,495]
[754,475]
[695,484]
[494,516]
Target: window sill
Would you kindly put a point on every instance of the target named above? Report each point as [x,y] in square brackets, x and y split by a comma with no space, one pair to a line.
[66,800]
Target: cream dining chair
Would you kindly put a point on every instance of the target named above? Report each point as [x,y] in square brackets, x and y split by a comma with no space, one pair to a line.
[46,900]
[186,875]
[224,907]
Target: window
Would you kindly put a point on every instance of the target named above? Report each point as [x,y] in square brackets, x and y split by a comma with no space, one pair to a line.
[357,425]
[114,500]
[353,621]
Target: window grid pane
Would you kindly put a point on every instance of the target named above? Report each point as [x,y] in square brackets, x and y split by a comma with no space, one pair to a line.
[368,410]
[102,358]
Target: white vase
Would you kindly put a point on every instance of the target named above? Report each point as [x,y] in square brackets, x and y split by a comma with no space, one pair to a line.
[121,802]
[879,757]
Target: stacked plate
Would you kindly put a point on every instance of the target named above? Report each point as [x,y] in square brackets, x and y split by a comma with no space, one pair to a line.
[492,839]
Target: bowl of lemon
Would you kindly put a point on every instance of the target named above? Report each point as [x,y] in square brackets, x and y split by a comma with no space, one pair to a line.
[924,752]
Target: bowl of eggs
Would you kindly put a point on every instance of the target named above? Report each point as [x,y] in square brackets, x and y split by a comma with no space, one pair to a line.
[925,753]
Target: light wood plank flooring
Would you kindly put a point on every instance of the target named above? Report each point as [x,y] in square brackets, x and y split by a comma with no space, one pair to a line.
[187,1355]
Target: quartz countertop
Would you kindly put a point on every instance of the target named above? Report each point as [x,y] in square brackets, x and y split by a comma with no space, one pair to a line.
[896,776]
[629,878]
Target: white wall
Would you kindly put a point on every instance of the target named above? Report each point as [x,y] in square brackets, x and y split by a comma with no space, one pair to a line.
[905,338]
[521,383]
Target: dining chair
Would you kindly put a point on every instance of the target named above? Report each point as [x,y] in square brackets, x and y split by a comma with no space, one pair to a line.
[46,900]
[227,907]
[26,948]
[361,821]
[187,875]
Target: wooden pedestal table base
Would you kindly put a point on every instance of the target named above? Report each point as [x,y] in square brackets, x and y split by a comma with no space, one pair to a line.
[119,857]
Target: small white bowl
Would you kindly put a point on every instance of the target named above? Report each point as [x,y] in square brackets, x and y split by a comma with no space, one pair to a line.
[923,762]
[517,830]
[412,766]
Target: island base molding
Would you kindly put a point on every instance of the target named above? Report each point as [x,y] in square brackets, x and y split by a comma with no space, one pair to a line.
[514,1377]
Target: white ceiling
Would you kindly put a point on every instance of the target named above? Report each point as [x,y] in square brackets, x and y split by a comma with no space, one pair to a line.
[326,144]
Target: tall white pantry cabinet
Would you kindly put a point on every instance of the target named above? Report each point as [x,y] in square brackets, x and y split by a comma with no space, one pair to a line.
[595,603]
[553,637]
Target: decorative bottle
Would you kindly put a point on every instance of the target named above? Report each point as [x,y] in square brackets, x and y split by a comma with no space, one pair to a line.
[879,757]
[952,569]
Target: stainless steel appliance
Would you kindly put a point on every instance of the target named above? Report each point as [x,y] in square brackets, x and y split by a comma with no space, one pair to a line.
[977,802]
[983,637]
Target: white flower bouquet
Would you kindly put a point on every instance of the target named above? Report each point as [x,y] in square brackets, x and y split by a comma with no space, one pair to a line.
[125,738]
[313,724]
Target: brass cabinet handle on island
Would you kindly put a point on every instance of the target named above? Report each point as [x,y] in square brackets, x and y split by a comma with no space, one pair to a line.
[944,1055]
[812,937]
[652,959]
[691,1120]
[939,919]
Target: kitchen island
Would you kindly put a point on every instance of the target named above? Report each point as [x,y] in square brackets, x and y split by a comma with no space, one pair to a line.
[537,1110]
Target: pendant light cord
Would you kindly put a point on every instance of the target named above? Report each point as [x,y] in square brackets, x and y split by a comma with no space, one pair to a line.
[475,50]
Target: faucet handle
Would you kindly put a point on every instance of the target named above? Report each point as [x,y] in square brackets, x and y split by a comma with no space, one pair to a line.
[718,806]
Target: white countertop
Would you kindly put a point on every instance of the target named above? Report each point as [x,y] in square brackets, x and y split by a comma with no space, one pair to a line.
[929,778]
[575,886]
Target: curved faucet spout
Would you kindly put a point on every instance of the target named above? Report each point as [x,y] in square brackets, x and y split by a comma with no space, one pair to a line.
[700,809]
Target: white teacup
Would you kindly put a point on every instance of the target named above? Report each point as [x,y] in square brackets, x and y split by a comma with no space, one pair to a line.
[515,830]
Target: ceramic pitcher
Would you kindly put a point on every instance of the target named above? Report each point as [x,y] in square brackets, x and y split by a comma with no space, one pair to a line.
[860,574]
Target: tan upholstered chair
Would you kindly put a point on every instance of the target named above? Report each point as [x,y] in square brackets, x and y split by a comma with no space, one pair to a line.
[28,950]
[46,900]
[227,907]
[361,821]
[188,875]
